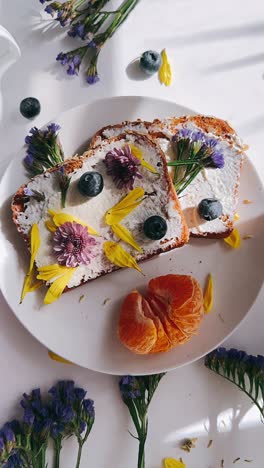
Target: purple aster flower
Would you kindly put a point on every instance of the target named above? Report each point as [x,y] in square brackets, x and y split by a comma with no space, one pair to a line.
[73,245]
[88,406]
[122,165]
[216,160]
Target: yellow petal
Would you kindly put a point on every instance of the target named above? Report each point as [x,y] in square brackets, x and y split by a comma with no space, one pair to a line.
[49,272]
[30,284]
[208,295]
[172,463]
[125,235]
[139,155]
[57,287]
[234,239]
[236,217]
[61,218]
[34,244]
[124,207]
[165,73]
[119,256]
[56,357]
[50,226]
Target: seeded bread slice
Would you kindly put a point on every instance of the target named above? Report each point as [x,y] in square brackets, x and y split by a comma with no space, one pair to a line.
[160,199]
[222,184]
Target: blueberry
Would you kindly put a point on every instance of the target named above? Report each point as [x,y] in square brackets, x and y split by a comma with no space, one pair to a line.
[155,227]
[150,62]
[30,107]
[210,209]
[91,184]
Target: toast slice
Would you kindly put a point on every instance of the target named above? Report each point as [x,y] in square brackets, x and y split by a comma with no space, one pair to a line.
[159,199]
[222,184]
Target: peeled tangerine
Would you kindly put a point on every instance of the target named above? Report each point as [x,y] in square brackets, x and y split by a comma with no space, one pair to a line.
[169,315]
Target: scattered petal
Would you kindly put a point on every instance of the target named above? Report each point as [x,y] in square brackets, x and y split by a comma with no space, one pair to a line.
[107,299]
[49,272]
[139,155]
[50,226]
[189,444]
[124,207]
[165,73]
[247,202]
[61,218]
[209,295]
[57,287]
[209,443]
[173,463]
[119,256]
[236,217]
[248,236]
[30,284]
[34,244]
[234,239]
[236,460]
[56,357]
[125,235]
[81,298]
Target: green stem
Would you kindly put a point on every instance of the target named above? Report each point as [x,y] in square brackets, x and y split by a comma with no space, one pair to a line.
[183,163]
[79,456]
[142,441]
[182,184]
[57,446]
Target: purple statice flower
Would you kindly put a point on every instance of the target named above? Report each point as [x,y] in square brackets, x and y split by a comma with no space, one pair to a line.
[63,58]
[28,160]
[77,30]
[28,192]
[216,160]
[88,407]
[211,142]
[123,166]
[64,389]
[82,426]
[53,128]
[92,78]
[129,387]
[182,134]
[50,10]
[79,393]
[14,460]
[197,137]
[74,65]
[15,426]
[34,405]
[73,245]
[28,417]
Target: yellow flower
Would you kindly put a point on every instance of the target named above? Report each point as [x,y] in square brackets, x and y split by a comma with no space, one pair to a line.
[119,256]
[60,218]
[208,295]
[234,239]
[56,357]
[29,284]
[139,155]
[123,234]
[125,206]
[165,73]
[172,463]
[61,276]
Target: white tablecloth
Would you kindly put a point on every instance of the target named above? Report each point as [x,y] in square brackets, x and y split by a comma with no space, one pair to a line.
[218,56]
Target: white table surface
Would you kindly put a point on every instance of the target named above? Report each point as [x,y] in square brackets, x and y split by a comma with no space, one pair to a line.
[218,53]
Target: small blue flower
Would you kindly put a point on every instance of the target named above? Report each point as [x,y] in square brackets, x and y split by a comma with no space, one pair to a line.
[15,426]
[82,427]
[216,160]
[7,433]
[14,461]
[74,65]
[63,58]
[49,10]
[2,444]
[79,393]
[53,128]
[211,142]
[197,136]
[88,406]
[29,417]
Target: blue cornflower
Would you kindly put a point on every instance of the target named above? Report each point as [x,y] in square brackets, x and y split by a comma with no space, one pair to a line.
[88,406]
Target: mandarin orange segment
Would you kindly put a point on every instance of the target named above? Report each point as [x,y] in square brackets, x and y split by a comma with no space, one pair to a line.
[163,342]
[136,331]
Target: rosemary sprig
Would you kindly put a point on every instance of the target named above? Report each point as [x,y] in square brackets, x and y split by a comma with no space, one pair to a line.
[243,370]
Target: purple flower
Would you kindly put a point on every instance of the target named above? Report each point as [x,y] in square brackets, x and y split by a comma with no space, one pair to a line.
[129,387]
[29,159]
[63,58]
[15,426]
[7,433]
[122,165]
[78,30]
[82,427]
[211,142]
[28,192]
[92,79]
[2,444]
[49,10]
[53,128]
[14,461]
[182,134]
[88,406]
[29,417]
[43,1]
[79,393]
[197,136]
[74,65]
[64,389]
[73,245]
[216,160]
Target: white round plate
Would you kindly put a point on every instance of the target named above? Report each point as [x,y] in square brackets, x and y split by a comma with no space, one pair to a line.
[84,332]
